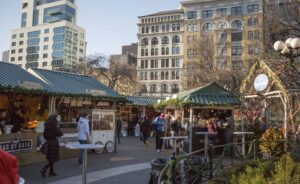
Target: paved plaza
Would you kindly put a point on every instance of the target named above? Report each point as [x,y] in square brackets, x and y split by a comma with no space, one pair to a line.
[131,164]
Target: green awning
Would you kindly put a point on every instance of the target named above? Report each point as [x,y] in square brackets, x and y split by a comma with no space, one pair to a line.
[143,100]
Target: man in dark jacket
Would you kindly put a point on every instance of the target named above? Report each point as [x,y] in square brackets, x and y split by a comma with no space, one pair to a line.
[146,129]
[51,133]
[119,128]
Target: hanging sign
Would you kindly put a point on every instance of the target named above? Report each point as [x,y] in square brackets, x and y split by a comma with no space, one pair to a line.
[261,82]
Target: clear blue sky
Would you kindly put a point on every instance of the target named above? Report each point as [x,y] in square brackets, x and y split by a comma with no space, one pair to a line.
[109,24]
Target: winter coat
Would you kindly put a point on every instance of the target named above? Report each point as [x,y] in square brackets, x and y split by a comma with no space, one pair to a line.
[146,128]
[8,168]
[51,133]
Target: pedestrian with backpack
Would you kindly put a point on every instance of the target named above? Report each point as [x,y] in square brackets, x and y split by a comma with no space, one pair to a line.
[160,128]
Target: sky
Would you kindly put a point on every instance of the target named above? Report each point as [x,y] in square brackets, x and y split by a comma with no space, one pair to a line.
[109,24]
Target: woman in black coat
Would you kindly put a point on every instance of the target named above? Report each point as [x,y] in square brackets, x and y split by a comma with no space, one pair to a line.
[146,129]
[51,134]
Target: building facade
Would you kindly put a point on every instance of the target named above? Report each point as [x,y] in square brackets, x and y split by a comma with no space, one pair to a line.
[160,53]
[236,28]
[49,37]
[5,56]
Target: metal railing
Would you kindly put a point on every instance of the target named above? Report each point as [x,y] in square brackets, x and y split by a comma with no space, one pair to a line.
[193,168]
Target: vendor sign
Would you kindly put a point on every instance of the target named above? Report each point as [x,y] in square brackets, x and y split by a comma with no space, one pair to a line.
[16,145]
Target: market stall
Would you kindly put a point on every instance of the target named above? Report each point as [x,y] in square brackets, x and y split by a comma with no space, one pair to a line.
[197,105]
[27,98]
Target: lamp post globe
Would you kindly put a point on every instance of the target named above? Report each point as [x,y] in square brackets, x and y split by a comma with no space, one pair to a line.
[295,43]
[279,45]
[288,42]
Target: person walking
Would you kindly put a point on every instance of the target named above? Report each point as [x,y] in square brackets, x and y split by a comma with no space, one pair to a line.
[51,133]
[146,130]
[160,127]
[83,130]
[119,128]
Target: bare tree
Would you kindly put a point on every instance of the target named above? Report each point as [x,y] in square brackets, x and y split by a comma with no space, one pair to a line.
[112,73]
[205,68]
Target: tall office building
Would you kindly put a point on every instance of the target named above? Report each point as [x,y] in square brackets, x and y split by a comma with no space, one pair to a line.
[5,56]
[49,37]
[160,53]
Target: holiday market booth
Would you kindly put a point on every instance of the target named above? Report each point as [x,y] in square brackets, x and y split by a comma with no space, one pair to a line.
[27,98]
[271,93]
[200,104]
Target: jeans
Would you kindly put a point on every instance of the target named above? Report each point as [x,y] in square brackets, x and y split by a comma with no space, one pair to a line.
[159,141]
[81,151]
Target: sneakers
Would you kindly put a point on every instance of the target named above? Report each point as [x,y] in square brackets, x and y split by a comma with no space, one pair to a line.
[158,151]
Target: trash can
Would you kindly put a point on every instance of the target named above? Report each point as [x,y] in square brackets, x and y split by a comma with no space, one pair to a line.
[157,165]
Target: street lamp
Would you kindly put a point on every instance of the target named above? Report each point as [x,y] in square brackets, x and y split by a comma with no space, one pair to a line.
[290,48]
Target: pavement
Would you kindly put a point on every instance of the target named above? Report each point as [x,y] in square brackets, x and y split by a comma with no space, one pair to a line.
[130,165]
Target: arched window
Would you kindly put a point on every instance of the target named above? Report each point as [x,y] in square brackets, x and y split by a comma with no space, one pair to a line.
[167,75]
[154,41]
[237,24]
[143,88]
[164,88]
[177,74]
[153,88]
[207,27]
[162,76]
[156,51]
[173,75]
[142,52]
[146,52]
[144,42]
[165,40]
[151,76]
[163,51]
[152,51]
[175,88]
[167,51]
[142,76]
[177,50]
[176,39]
[222,25]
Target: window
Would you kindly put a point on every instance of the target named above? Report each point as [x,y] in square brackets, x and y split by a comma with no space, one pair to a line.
[153,88]
[165,40]
[153,29]
[221,25]
[222,12]
[13,44]
[222,37]
[174,27]
[192,15]
[46,31]
[21,42]
[152,51]
[144,42]
[176,39]
[156,51]
[207,13]
[250,35]
[250,49]
[14,36]
[190,28]
[237,24]
[164,88]
[168,27]
[45,47]
[20,50]
[24,19]
[142,52]
[163,51]
[154,41]
[143,88]
[146,52]
[146,76]
[173,50]
[250,22]
[252,8]
[156,76]
[12,59]
[175,88]
[178,27]
[236,50]
[190,53]
[146,63]
[256,35]
[142,64]
[163,28]
[13,51]
[157,28]
[207,27]
[151,76]
[237,10]
[167,51]
[256,21]
[162,76]
[195,27]
[167,63]
[236,37]
[152,64]
[257,48]
[173,75]
[147,29]
[20,58]
[45,55]
[237,65]
[46,39]
[177,74]
[189,40]
[44,63]
[177,50]
[21,35]
[143,30]
[167,75]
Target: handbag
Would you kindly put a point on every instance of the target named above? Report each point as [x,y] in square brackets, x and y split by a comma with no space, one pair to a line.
[44,148]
